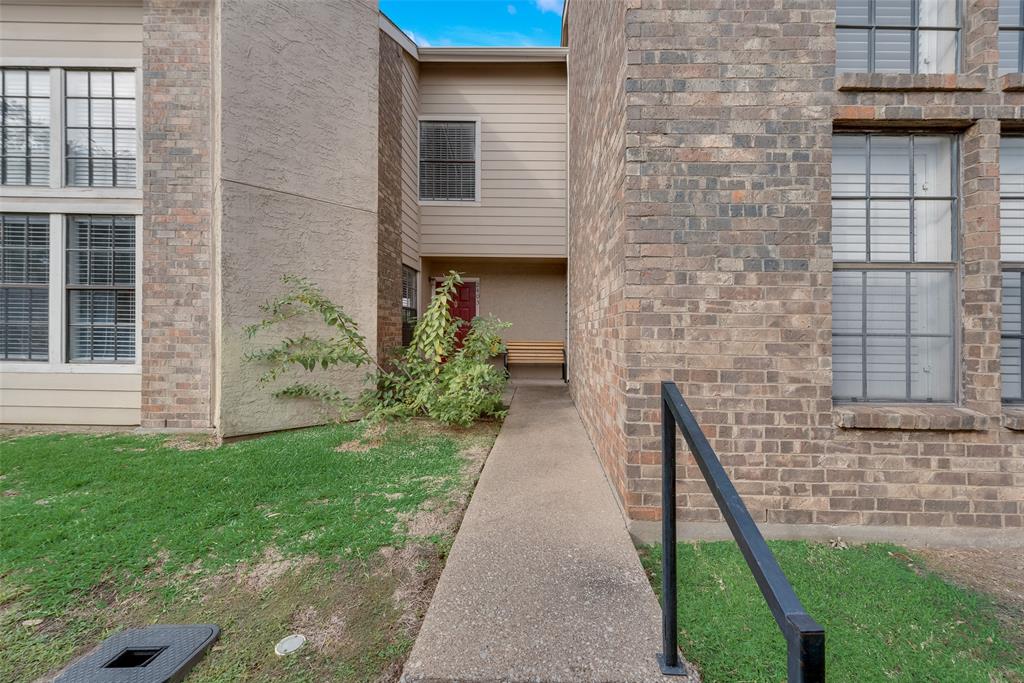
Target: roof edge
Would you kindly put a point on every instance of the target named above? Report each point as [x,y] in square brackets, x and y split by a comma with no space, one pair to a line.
[492,54]
[398,35]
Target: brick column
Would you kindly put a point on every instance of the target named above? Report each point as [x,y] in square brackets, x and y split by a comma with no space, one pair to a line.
[597,106]
[979,245]
[389,198]
[176,344]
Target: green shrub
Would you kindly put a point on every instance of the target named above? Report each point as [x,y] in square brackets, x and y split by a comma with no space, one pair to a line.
[434,376]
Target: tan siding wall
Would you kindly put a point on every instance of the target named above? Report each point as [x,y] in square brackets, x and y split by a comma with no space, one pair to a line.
[70,29]
[74,33]
[410,162]
[522,110]
[69,398]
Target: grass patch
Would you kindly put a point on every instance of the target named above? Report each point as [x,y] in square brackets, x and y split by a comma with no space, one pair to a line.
[261,537]
[885,619]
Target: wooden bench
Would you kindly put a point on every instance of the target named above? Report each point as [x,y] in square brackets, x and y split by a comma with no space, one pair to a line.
[535,353]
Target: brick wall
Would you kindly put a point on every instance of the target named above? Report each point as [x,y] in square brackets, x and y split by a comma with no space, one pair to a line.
[730,111]
[597,107]
[176,344]
[389,198]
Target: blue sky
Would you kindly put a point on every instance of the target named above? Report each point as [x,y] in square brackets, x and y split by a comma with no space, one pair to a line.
[492,23]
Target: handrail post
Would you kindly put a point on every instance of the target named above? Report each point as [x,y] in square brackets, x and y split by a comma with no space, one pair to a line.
[668,659]
[805,656]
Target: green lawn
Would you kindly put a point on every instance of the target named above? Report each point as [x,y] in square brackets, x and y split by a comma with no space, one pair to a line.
[283,533]
[884,618]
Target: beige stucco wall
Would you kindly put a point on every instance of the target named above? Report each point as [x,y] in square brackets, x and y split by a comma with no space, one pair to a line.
[522,111]
[297,183]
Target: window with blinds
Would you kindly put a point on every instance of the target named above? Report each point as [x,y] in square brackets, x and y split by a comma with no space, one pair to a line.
[409,303]
[448,160]
[100,284]
[894,206]
[1011,222]
[100,122]
[1011,36]
[898,36]
[26,127]
[24,286]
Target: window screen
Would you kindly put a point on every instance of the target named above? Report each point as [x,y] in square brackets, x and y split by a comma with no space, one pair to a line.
[100,288]
[409,303]
[24,286]
[1011,215]
[1011,36]
[100,121]
[897,36]
[26,127]
[893,225]
[448,160]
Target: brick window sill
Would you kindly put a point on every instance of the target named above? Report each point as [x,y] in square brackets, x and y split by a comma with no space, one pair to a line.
[911,418]
[1013,418]
[1012,82]
[861,82]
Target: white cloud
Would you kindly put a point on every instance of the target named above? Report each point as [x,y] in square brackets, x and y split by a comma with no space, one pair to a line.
[419,40]
[550,5]
[511,9]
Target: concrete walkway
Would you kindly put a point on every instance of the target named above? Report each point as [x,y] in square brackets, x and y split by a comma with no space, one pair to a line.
[543,583]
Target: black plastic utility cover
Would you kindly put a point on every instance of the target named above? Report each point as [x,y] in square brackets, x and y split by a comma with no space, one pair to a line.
[155,654]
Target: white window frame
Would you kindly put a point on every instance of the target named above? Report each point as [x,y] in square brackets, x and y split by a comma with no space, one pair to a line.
[58,170]
[58,314]
[477,161]
[58,201]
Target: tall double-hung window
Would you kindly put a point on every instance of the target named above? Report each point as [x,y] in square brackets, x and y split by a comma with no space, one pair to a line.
[24,286]
[898,36]
[1011,36]
[894,208]
[1011,221]
[409,303]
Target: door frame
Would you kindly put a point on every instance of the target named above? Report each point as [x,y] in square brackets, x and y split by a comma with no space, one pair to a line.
[435,280]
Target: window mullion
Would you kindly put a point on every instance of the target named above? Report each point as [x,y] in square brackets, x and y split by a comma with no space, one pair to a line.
[56,128]
[56,289]
[864,334]
[907,322]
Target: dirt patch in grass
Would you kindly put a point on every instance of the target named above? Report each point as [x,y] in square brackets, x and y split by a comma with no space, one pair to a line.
[192,442]
[262,573]
[998,573]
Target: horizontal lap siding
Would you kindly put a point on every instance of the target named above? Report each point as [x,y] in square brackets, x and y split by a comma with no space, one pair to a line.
[522,110]
[70,30]
[77,32]
[410,163]
[70,398]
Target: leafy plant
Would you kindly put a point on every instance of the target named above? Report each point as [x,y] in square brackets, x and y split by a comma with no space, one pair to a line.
[434,376]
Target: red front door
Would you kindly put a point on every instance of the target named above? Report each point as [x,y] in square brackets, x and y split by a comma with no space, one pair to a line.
[463,306]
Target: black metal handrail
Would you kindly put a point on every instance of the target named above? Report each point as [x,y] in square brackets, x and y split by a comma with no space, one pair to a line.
[805,638]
